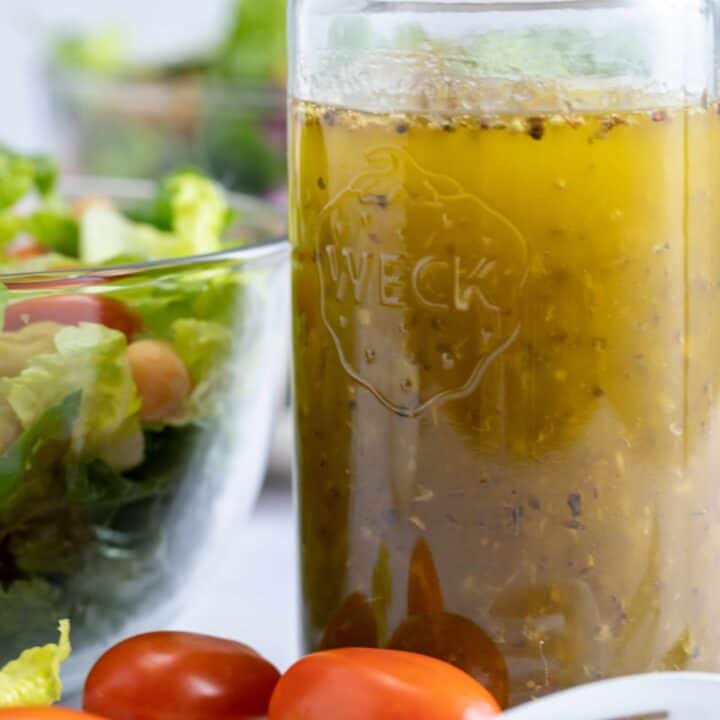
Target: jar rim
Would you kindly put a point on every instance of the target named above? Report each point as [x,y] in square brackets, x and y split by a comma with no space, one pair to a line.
[536,4]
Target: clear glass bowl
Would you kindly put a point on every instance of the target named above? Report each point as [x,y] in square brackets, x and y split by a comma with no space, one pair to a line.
[109,528]
[140,125]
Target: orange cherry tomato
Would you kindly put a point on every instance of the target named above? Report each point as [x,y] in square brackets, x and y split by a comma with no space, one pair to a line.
[180,676]
[72,310]
[371,684]
[44,714]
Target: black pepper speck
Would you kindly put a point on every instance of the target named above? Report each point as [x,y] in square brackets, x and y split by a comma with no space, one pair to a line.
[574,502]
[536,128]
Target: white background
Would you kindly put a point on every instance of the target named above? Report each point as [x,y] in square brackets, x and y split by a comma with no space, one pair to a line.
[250,593]
[157,27]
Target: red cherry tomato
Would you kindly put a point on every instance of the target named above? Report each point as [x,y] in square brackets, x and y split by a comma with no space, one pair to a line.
[26,249]
[72,310]
[180,676]
[371,684]
[44,714]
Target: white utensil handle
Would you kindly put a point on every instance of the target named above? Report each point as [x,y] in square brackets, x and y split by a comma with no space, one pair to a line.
[682,696]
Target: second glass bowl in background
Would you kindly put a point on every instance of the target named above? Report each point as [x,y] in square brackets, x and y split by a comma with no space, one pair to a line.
[143,124]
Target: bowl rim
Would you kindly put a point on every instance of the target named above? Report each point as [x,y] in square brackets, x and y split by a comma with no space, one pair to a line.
[157,91]
[129,189]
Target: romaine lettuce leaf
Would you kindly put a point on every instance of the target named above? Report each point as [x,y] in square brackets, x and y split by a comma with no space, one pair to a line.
[4,296]
[30,461]
[51,225]
[22,174]
[106,236]
[204,347]
[10,428]
[55,229]
[188,217]
[34,678]
[52,505]
[90,358]
[27,609]
[199,211]
[11,226]
[200,345]
[212,293]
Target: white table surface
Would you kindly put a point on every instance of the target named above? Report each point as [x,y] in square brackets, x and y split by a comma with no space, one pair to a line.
[251,595]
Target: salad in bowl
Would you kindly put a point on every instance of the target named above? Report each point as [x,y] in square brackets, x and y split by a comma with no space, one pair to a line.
[142,333]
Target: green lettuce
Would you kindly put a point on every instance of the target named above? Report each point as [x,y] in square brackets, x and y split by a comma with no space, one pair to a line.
[55,229]
[188,217]
[210,292]
[107,236]
[4,296]
[200,344]
[50,223]
[204,347]
[21,175]
[103,52]
[32,458]
[199,211]
[34,678]
[91,359]
[54,508]
[255,48]
[51,226]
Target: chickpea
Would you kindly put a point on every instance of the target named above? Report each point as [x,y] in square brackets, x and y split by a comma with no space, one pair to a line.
[162,379]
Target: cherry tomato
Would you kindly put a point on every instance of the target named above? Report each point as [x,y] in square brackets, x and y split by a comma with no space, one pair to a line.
[25,249]
[72,310]
[180,676]
[371,684]
[44,714]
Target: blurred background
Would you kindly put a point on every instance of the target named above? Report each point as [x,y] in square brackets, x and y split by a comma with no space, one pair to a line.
[135,88]
[158,31]
[121,89]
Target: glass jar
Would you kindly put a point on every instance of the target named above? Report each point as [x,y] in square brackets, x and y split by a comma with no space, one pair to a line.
[507,356]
